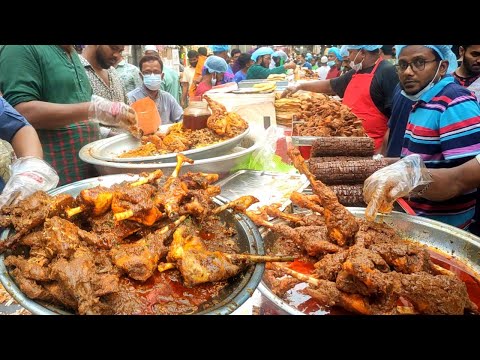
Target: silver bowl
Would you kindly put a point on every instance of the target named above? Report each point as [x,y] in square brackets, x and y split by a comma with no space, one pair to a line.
[110,148]
[232,296]
[463,246]
[221,164]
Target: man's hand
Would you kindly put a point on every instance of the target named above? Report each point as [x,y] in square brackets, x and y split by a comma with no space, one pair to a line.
[290,90]
[112,113]
[29,174]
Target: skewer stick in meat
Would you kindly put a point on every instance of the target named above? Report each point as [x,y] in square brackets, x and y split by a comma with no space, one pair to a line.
[341,224]
[106,197]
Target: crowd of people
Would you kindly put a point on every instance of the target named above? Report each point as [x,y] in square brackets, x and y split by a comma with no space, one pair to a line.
[416,102]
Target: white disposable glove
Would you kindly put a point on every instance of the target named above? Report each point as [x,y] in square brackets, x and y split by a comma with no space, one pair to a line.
[112,113]
[386,185]
[28,174]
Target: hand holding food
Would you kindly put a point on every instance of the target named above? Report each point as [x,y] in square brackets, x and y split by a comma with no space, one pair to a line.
[386,185]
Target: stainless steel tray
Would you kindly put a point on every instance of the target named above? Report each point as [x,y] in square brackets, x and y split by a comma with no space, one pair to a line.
[461,245]
[268,187]
[298,140]
[110,148]
[233,296]
[219,164]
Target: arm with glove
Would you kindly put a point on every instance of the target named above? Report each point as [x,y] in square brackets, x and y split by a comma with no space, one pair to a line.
[408,176]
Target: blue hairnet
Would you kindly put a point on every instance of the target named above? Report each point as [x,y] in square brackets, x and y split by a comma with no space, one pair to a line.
[264,50]
[336,52]
[364,47]
[444,51]
[280,54]
[219,48]
[215,64]
[308,57]
[344,51]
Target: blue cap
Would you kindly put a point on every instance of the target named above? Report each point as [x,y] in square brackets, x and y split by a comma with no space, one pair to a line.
[219,48]
[344,51]
[215,64]
[444,51]
[264,50]
[335,51]
[364,47]
[280,54]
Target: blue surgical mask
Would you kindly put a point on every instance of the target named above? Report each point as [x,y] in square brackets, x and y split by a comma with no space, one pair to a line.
[331,63]
[417,96]
[153,81]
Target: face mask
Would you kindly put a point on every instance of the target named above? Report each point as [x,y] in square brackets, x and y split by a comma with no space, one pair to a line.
[342,68]
[214,81]
[153,81]
[331,63]
[356,67]
[417,96]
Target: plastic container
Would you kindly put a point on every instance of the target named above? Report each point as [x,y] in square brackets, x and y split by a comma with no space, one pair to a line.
[195,115]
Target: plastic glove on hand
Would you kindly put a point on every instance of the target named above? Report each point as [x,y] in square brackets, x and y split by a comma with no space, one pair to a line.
[29,174]
[290,90]
[386,185]
[112,113]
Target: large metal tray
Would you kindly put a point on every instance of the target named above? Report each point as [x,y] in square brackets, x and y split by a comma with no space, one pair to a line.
[461,245]
[220,164]
[268,187]
[110,148]
[233,296]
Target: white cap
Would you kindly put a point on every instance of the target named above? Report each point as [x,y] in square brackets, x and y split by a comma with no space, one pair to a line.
[151,48]
[324,59]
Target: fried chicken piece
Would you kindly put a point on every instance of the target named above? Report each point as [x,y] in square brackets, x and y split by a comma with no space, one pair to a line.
[341,224]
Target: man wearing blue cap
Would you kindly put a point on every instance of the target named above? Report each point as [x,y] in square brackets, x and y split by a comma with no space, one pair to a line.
[222,51]
[260,69]
[367,89]
[334,62]
[442,132]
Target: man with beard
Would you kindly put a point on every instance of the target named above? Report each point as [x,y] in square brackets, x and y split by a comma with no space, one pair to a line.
[443,132]
[48,85]
[468,74]
[187,77]
[367,89]
[98,61]
[260,69]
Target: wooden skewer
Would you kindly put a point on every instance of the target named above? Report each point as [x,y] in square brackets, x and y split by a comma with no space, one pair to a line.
[259,258]
[165,266]
[124,215]
[297,275]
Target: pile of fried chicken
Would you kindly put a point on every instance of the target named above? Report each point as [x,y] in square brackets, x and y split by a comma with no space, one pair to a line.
[80,252]
[363,267]
[221,125]
[324,116]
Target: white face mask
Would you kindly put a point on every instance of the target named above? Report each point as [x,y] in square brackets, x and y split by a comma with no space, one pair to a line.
[418,95]
[214,80]
[356,67]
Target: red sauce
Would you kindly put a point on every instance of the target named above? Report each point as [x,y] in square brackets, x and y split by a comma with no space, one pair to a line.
[302,267]
[295,297]
[164,293]
[206,235]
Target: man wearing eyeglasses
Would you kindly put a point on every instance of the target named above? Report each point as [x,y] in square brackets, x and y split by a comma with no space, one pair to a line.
[367,89]
[443,128]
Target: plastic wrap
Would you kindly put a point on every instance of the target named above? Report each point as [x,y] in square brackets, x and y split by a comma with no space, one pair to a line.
[382,188]
[111,113]
[264,158]
[28,174]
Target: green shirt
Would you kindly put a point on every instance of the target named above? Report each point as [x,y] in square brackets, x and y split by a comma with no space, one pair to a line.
[171,83]
[46,73]
[259,72]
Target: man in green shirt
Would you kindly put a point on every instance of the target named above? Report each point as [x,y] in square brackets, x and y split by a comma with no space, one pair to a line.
[48,85]
[262,58]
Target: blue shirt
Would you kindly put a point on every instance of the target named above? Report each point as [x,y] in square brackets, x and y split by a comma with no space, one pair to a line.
[10,121]
[444,129]
[239,76]
[167,106]
[397,123]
